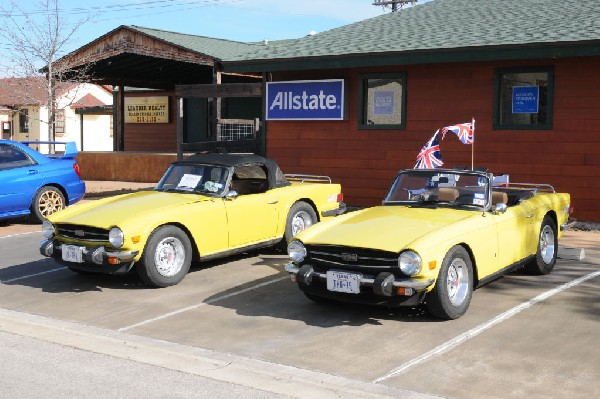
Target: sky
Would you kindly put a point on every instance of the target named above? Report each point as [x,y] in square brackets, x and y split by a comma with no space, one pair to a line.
[240,20]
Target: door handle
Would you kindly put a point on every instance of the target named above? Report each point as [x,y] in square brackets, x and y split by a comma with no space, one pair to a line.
[273,202]
[33,172]
[529,216]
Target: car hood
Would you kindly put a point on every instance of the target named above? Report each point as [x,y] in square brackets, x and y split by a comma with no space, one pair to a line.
[390,228]
[120,209]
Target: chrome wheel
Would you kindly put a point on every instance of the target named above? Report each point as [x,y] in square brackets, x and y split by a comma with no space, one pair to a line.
[301,221]
[451,296]
[546,251]
[169,256]
[458,282]
[547,241]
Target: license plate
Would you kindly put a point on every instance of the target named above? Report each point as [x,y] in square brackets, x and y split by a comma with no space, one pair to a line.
[72,253]
[343,282]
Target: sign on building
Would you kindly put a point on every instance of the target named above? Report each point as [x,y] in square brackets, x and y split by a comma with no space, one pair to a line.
[525,99]
[147,109]
[305,100]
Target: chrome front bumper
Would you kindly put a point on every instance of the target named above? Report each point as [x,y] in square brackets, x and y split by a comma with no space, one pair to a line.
[381,284]
[97,255]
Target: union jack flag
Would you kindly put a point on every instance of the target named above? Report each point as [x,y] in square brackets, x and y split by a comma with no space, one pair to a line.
[430,156]
[464,131]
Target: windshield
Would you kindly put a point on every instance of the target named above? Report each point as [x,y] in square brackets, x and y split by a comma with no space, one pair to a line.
[440,188]
[194,178]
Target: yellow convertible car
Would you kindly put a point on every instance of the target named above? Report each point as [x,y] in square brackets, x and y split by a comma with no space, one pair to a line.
[438,235]
[205,206]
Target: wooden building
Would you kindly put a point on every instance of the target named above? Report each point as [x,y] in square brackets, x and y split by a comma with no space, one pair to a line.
[526,71]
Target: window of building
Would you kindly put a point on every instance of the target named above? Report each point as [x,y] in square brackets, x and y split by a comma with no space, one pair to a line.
[523,98]
[383,101]
[24,120]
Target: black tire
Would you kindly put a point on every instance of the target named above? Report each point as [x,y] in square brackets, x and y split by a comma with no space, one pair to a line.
[547,248]
[300,217]
[47,201]
[167,257]
[451,296]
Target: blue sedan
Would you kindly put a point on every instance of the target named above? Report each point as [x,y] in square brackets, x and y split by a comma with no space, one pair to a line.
[37,185]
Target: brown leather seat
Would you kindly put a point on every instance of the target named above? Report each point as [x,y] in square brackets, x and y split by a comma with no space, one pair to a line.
[447,194]
[499,197]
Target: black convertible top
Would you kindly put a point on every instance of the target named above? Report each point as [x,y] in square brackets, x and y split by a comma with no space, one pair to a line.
[274,174]
[228,159]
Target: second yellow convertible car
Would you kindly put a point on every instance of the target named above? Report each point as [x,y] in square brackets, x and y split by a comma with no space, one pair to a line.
[439,234]
[205,206]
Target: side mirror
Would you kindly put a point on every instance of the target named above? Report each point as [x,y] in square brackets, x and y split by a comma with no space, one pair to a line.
[231,195]
[500,208]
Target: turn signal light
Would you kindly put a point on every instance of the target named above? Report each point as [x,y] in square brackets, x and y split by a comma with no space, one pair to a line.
[404,291]
[112,260]
[432,265]
[135,239]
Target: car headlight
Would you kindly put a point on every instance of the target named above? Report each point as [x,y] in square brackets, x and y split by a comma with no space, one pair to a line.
[116,237]
[409,262]
[47,229]
[296,251]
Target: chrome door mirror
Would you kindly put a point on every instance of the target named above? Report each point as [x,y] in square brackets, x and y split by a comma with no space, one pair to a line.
[231,195]
[500,208]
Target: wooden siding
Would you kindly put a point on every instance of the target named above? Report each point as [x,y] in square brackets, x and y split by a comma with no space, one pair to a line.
[365,161]
[124,166]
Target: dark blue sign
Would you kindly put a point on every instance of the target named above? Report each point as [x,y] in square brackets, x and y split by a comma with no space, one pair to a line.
[305,100]
[525,99]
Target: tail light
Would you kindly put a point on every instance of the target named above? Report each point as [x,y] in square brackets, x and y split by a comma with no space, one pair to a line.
[340,197]
[77,170]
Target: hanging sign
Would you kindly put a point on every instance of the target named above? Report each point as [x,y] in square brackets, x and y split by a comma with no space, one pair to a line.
[305,100]
[147,109]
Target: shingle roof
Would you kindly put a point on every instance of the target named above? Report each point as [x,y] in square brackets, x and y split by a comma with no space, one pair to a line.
[213,47]
[447,25]
[27,91]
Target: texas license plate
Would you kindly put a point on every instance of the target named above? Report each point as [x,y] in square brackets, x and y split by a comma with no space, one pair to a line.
[343,282]
[72,253]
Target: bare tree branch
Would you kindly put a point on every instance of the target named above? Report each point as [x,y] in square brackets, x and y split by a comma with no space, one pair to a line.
[39,49]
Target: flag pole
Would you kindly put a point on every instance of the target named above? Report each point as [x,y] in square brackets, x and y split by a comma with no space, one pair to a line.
[473,144]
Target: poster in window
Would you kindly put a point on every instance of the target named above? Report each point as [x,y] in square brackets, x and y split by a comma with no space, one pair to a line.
[383,103]
[525,99]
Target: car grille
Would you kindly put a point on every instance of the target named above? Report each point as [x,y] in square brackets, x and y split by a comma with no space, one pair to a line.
[364,260]
[83,233]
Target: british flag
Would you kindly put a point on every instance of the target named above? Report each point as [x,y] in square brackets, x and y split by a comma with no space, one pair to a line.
[430,156]
[464,131]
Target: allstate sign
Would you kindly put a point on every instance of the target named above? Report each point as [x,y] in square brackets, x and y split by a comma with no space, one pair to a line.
[305,100]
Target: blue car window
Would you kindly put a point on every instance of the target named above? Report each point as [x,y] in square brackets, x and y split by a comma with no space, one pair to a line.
[12,157]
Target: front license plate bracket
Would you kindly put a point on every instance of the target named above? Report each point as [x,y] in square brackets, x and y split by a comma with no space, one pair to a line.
[72,253]
[343,282]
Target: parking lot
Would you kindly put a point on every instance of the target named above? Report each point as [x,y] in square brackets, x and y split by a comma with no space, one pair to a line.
[242,320]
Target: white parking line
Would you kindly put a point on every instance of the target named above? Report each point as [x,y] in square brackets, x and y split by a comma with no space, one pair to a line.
[191,307]
[460,339]
[31,275]
[20,234]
